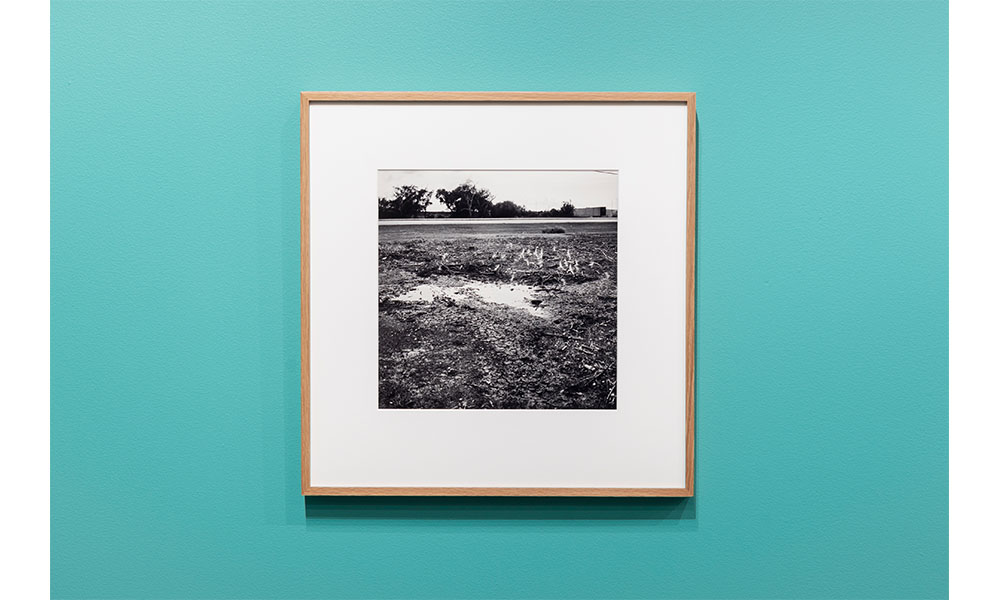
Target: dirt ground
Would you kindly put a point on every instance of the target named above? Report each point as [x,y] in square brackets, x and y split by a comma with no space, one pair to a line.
[455,348]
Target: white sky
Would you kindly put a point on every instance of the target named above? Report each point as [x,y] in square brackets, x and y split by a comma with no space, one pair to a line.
[534,190]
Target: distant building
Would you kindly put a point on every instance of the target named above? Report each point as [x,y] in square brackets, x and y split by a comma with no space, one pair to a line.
[593,211]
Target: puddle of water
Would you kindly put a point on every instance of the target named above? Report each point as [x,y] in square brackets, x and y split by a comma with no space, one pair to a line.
[515,295]
[427,292]
[512,294]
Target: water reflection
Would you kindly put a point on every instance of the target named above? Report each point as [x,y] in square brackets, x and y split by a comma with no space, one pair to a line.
[514,295]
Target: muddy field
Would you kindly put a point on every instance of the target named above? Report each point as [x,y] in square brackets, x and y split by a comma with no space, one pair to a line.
[498,315]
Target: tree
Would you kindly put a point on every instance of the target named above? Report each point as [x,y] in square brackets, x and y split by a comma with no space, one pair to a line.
[508,209]
[567,209]
[467,201]
[408,202]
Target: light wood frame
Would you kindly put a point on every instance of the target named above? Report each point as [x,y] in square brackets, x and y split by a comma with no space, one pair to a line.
[687,98]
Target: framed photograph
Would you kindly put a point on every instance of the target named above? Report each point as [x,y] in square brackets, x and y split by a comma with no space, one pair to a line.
[498,293]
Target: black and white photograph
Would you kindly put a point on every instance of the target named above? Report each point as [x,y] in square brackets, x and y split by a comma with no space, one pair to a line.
[497,289]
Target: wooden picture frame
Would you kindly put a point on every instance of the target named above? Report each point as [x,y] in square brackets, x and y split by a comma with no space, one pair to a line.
[688,99]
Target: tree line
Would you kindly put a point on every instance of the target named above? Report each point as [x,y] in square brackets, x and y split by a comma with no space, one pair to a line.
[464,201]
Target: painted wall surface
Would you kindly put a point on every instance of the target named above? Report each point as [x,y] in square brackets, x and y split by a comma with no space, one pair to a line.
[822,302]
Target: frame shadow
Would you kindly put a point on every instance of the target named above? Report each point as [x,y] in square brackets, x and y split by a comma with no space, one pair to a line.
[526,508]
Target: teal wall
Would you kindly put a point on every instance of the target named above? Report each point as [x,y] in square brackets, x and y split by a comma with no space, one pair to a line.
[822,302]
